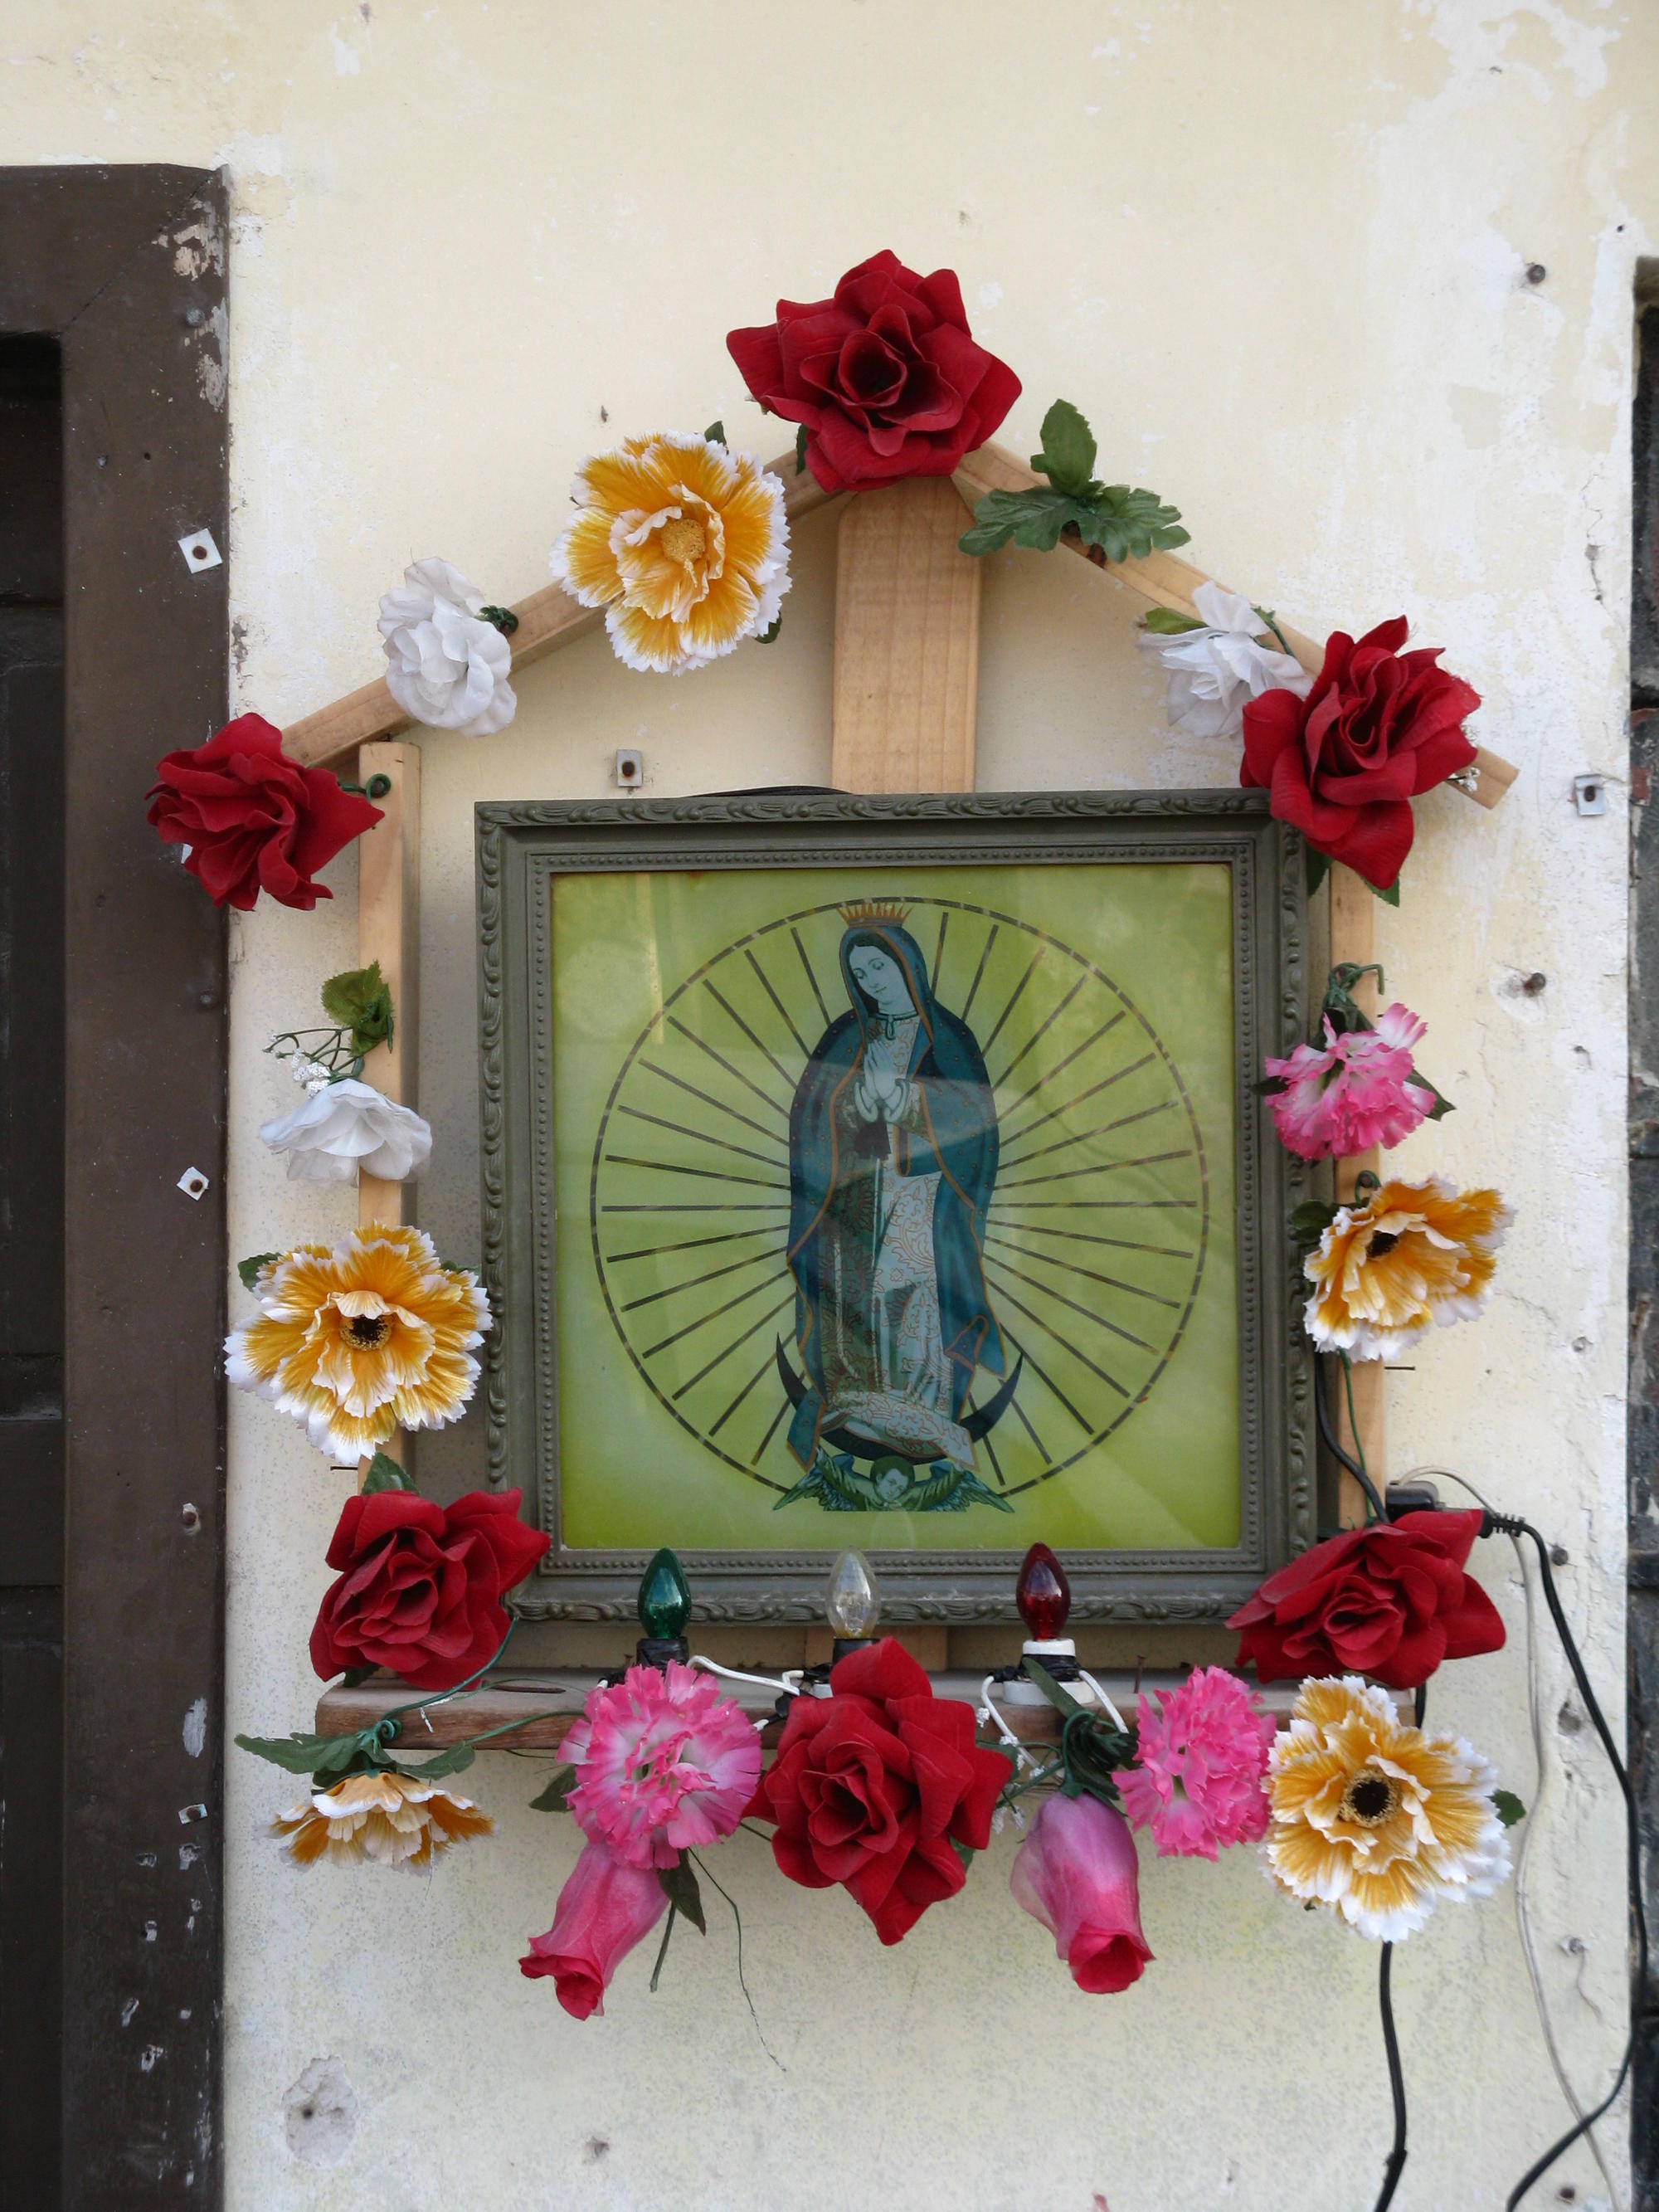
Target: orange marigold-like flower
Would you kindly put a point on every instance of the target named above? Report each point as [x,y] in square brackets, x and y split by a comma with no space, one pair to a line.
[400,1819]
[682,543]
[1416,1253]
[372,1336]
[1375,1818]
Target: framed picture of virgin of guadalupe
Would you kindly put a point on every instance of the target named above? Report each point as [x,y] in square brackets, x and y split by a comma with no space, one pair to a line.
[890,1173]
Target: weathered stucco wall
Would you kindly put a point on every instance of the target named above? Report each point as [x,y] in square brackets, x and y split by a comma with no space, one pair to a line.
[1279,252]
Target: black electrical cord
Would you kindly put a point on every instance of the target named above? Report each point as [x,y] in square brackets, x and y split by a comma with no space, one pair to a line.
[1395,2165]
[1396,2159]
[1511,1525]
[1347,1459]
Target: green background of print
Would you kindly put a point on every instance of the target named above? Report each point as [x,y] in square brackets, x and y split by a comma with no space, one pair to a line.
[632,1475]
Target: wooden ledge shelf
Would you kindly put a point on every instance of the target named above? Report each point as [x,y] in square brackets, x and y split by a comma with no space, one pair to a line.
[518,1697]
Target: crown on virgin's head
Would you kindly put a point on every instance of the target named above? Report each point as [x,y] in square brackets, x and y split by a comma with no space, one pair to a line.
[876,910]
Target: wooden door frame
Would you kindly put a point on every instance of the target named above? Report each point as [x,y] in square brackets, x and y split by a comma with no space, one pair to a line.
[125,267]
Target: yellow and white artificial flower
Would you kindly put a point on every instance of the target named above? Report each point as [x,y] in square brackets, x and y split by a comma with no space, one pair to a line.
[1374,1818]
[373,1336]
[401,1819]
[685,545]
[1416,1254]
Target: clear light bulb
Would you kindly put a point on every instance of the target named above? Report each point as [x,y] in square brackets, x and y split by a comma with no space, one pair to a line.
[852,1601]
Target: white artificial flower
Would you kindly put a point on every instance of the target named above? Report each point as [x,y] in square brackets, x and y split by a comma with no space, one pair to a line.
[1214,671]
[310,1074]
[346,1126]
[446,668]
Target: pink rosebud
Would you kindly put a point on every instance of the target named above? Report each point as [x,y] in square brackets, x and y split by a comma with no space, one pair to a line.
[1198,1781]
[603,1910]
[1077,1873]
[1360,1090]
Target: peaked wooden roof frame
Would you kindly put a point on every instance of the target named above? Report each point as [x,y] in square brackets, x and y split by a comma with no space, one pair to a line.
[550,618]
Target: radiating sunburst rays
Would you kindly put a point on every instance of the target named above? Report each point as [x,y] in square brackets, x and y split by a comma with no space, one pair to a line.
[1097,1232]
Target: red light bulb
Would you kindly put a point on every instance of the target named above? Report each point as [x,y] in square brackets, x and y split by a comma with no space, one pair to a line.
[1042,1595]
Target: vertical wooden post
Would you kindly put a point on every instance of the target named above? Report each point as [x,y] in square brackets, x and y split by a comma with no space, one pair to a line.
[389,931]
[1354,938]
[907,642]
[906,696]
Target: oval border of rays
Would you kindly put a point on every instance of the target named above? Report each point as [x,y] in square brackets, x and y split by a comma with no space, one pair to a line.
[948,906]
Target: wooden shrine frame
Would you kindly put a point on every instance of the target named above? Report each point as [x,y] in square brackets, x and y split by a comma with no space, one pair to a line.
[907,658]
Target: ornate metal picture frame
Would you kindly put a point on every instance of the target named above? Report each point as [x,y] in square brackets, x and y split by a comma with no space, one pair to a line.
[889,1172]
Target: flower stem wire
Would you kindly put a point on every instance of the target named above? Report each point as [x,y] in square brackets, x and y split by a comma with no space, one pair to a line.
[742,1983]
[335,1053]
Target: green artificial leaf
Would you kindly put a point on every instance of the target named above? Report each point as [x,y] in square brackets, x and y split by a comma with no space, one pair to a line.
[383,1474]
[1128,524]
[1122,523]
[964,1853]
[1318,866]
[249,1269]
[679,1887]
[1062,1700]
[716,432]
[801,450]
[769,634]
[1165,621]
[1442,1105]
[359,1000]
[303,1754]
[556,1798]
[1339,1008]
[656,1972]
[1389,897]
[453,1761]
[1508,1806]
[354,1677]
[1310,1220]
[1068,459]
[1033,519]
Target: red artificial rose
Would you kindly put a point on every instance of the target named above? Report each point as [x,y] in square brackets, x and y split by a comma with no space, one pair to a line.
[421,1584]
[1379,727]
[884,376]
[253,820]
[874,1786]
[1391,1602]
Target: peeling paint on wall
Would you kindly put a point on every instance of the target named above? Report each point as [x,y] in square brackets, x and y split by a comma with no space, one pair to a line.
[320,2113]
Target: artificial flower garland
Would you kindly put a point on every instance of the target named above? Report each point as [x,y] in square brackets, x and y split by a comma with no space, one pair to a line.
[684,542]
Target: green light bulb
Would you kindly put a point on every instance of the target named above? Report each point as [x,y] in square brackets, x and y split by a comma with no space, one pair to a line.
[665,1599]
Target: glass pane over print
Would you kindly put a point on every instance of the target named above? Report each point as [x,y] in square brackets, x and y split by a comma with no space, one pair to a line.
[909,1194]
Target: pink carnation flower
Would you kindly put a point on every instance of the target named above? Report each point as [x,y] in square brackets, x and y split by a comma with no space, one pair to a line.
[666,1763]
[1198,1780]
[1357,1093]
